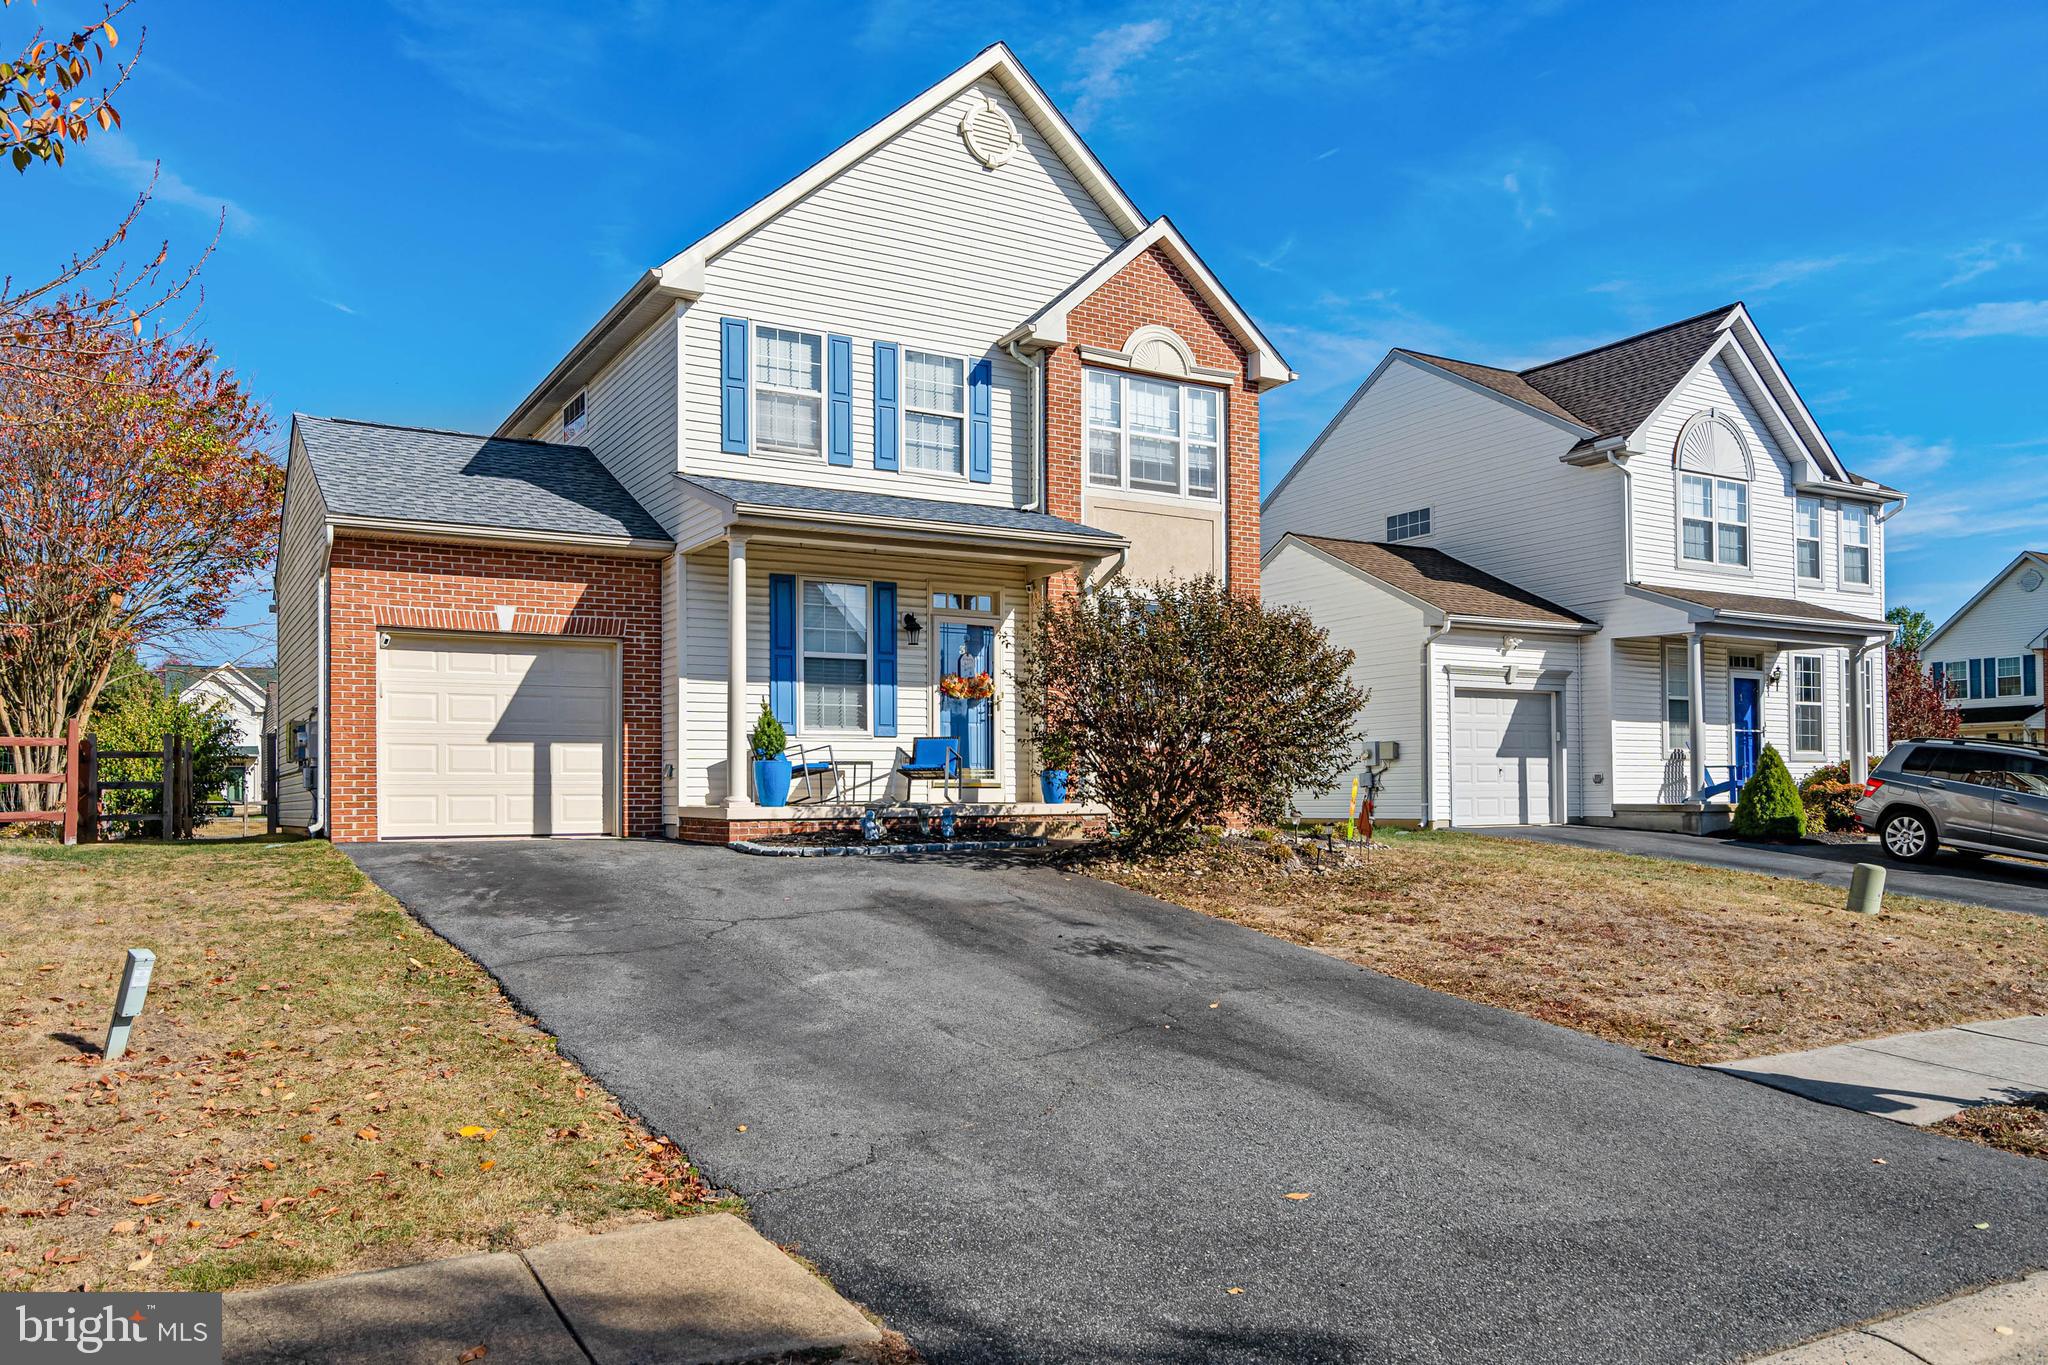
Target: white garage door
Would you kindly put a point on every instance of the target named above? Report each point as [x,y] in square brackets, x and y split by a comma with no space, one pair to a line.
[1500,758]
[483,735]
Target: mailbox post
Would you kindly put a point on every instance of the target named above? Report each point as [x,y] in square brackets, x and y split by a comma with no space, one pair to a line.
[128,1001]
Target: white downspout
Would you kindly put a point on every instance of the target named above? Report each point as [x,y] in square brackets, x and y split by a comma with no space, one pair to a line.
[1618,457]
[1436,632]
[322,702]
[1037,368]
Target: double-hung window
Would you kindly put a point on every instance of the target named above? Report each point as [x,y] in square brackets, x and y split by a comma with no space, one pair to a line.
[1806,703]
[1806,522]
[835,656]
[1856,544]
[934,412]
[1714,517]
[1956,680]
[1677,697]
[789,391]
[1153,435]
[2009,683]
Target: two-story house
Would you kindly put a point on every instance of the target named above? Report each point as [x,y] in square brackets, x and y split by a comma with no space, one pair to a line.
[240,693]
[828,459]
[1991,656]
[1592,589]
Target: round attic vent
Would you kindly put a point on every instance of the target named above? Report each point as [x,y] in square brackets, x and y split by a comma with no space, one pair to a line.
[988,132]
[2030,580]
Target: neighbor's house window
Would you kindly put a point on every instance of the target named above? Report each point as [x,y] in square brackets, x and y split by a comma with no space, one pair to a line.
[1677,698]
[789,391]
[1408,525]
[1855,544]
[1152,435]
[934,412]
[1807,527]
[1956,677]
[1715,520]
[835,656]
[2009,677]
[572,414]
[1806,703]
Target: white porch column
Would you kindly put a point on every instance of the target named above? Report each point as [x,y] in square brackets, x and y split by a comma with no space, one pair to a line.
[736,765]
[1695,716]
[1859,743]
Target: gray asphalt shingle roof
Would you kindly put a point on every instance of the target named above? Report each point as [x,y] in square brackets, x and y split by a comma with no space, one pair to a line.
[890,507]
[1748,604]
[448,478]
[1445,582]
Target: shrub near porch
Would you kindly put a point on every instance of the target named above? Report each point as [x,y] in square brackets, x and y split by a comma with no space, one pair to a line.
[1691,963]
[317,1084]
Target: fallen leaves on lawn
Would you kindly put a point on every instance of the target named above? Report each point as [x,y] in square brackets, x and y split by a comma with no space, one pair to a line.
[143,1201]
[474,1353]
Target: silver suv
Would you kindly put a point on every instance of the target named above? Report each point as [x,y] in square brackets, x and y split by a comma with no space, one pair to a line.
[1975,796]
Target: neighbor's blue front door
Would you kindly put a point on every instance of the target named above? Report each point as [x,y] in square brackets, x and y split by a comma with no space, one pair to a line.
[965,651]
[1749,731]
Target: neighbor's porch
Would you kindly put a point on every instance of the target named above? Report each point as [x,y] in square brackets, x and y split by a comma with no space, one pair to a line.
[861,631]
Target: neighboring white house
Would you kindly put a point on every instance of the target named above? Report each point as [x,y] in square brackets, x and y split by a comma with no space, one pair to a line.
[1606,581]
[240,692]
[1991,655]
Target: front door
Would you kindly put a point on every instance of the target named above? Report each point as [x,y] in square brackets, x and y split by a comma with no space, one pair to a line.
[967,708]
[1749,730]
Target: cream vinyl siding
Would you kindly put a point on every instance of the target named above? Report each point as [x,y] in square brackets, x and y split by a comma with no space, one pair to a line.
[1462,653]
[1489,473]
[1384,633]
[919,244]
[2002,624]
[301,555]
[702,770]
[630,418]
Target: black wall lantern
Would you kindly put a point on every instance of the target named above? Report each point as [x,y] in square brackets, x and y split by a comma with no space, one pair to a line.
[912,627]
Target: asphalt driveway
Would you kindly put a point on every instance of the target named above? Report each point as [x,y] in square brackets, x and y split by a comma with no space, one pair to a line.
[1028,1116]
[2001,883]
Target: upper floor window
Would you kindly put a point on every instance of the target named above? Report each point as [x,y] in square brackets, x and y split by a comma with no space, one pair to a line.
[2009,682]
[1153,436]
[572,415]
[1714,516]
[1806,525]
[934,412]
[1855,543]
[1955,680]
[789,391]
[1408,525]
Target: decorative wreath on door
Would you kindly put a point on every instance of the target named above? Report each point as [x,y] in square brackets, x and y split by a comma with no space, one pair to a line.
[969,687]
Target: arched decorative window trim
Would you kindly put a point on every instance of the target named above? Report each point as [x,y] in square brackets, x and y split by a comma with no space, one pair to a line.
[1711,443]
[1160,350]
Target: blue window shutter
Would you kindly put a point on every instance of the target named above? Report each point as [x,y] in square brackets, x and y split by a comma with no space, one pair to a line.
[884,625]
[2027,674]
[732,385]
[977,422]
[1976,679]
[839,400]
[1991,676]
[782,648]
[887,414]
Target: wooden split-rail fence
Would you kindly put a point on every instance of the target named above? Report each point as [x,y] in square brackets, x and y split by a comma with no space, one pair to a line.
[76,804]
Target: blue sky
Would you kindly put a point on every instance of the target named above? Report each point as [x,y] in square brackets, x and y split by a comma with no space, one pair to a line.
[427,202]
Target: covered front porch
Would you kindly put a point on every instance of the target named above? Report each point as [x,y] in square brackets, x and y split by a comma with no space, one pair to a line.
[863,623]
[1704,682]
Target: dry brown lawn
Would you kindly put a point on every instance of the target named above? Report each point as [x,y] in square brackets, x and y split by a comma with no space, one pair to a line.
[2021,1128]
[1691,963]
[318,1084]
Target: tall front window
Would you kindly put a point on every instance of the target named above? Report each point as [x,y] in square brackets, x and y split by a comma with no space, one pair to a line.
[1855,543]
[1153,435]
[1677,697]
[789,391]
[1807,534]
[1715,520]
[835,656]
[934,412]
[1806,703]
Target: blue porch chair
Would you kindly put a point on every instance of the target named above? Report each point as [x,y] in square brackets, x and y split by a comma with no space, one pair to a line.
[805,766]
[933,758]
[1727,786]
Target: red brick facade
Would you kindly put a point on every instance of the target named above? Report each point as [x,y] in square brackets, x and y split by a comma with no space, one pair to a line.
[379,584]
[1152,289]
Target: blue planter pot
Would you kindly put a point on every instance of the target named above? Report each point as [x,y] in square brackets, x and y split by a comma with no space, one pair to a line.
[1052,784]
[771,781]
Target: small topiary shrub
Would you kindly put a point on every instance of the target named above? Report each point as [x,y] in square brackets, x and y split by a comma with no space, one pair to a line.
[769,738]
[1830,797]
[1769,807]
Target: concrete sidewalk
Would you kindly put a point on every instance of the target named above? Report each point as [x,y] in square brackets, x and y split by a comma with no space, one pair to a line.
[692,1291]
[2006,1324]
[1917,1078]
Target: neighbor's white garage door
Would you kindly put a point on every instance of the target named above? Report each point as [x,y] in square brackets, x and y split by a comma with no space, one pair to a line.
[1500,758]
[488,735]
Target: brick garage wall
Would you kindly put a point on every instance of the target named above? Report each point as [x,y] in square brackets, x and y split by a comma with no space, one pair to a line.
[1151,289]
[382,584]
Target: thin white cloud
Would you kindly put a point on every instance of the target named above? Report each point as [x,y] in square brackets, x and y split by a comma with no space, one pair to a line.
[338,306]
[1105,59]
[1978,512]
[2018,318]
[1527,185]
[116,158]
[1896,457]
[1326,155]
[1792,271]
[1982,259]
[1271,260]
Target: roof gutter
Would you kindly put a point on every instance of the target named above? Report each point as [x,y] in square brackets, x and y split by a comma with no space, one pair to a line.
[684,285]
[502,535]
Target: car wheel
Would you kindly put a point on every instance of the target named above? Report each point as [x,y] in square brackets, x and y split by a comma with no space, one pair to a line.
[1909,835]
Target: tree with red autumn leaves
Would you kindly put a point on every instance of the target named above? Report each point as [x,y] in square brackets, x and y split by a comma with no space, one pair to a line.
[44,103]
[134,499]
[1914,702]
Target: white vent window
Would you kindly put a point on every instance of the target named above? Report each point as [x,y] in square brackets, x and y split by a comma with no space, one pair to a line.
[572,414]
[1408,525]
